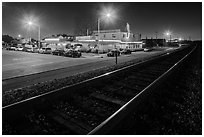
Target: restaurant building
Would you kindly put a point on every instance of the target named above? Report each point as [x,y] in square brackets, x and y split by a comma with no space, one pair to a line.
[109,39]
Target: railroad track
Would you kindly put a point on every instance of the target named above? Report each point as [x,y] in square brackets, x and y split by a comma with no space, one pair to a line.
[94,106]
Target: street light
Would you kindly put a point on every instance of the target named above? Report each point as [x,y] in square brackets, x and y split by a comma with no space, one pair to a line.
[108,15]
[31,23]
[168,33]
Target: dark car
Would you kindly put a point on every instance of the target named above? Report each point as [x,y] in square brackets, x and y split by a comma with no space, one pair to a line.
[8,48]
[58,52]
[113,53]
[126,51]
[72,53]
[45,50]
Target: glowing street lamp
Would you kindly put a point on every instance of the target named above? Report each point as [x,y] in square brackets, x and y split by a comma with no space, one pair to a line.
[31,23]
[108,15]
[168,33]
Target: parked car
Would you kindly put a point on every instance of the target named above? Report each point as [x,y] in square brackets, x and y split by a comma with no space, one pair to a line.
[10,48]
[45,50]
[94,50]
[58,52]
[126,51]
[28,49]
[148,49]
[19,48]
[113,53]
[28,45]
[34,50]
[72,53]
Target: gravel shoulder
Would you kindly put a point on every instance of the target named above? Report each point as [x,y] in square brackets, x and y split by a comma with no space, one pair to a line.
[175,108]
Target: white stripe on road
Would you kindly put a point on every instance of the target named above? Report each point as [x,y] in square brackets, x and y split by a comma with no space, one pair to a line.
[169,48]
[42,64]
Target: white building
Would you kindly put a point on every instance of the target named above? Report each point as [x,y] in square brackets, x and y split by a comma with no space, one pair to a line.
[59,42]
[109,39]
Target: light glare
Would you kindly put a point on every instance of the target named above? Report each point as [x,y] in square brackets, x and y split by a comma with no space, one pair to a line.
[30,23]
[168,33]
[108,15]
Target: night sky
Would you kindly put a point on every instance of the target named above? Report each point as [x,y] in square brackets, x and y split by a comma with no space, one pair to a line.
[181,19]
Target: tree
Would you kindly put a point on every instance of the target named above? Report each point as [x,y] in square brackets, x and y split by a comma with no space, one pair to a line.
[7,38]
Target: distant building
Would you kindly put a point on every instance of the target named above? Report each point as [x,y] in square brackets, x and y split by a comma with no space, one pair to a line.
[109,39]
[154,42]
[176,42]
[57,41]
[25,40]
[102,41]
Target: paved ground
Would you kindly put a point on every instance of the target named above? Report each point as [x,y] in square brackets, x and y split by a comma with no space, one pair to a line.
[15,65]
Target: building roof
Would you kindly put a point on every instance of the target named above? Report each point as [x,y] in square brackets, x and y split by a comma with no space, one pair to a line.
[107,31]
[110,41]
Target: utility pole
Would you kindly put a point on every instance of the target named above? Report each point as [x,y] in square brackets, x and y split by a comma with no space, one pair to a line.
[39,36]
[98,28]
[87,32]
[98,32]
[163,39]
[156,38]
[116,55]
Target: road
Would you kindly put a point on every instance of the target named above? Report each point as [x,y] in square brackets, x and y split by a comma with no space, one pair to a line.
[20,69]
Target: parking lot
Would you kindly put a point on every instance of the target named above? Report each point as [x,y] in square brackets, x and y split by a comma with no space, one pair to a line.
[21,69]
[16,63]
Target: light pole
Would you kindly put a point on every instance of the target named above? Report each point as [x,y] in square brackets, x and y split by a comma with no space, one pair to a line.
[98,28]
[39,36]
[31,23]
[168,33]
[108,15]
[156,38]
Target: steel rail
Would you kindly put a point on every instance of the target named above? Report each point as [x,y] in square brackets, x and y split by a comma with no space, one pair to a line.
[110,123]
